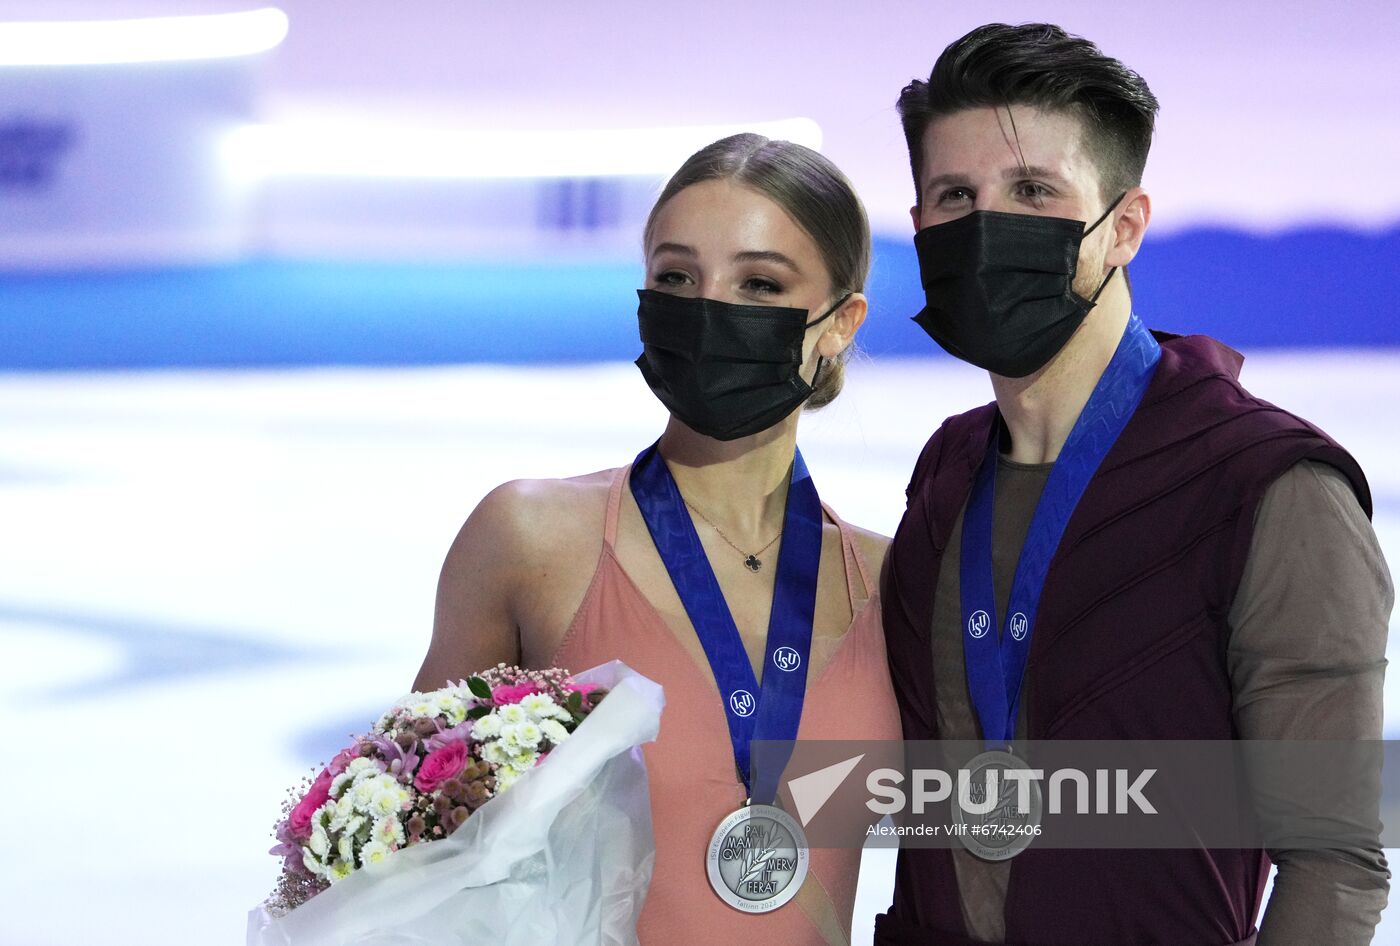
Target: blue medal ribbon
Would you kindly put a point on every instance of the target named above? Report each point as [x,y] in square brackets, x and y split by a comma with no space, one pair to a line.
[996,662]
[773,710]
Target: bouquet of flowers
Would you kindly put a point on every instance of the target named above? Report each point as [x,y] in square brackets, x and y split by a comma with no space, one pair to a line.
[356,863]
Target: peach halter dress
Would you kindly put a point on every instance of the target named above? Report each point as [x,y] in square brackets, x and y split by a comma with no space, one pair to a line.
[690,767]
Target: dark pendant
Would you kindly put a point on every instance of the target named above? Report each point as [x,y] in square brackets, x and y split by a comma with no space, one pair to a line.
[753,563]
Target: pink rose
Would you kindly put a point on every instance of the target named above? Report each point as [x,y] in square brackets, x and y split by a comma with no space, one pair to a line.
[342,760]
[316,796]
[441,765]
[512,693]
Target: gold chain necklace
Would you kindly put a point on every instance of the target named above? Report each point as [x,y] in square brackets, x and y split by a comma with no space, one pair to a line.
[751,559]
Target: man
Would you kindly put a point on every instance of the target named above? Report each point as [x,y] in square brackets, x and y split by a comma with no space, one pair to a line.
[1207,569]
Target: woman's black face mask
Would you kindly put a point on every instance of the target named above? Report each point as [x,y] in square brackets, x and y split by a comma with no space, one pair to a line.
[999,287]
[724,370]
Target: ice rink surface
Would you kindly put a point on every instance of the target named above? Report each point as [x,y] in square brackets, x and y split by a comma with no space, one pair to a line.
[209,579]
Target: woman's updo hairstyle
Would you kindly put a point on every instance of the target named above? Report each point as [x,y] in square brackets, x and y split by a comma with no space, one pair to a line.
[814,193]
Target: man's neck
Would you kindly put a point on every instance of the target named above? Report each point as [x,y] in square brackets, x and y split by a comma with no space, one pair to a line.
[1040,410]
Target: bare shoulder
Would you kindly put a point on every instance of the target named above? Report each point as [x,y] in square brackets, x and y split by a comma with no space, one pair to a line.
[517,567]
[540,516]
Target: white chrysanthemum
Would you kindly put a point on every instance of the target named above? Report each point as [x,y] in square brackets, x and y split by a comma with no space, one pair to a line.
[511,713]
[487,727]
[337,871]
[344,811]
[345,849]
[388,831]
[312,863]
[528,735]
[364,790]
[505,778]
[373,853]
[507,737]
[339,782]
[524,759]
[450,706]
[353,826]
[320,842]
[539,706]
[554,731]
[380,781]
[361,765]
[495,753]
[388,801]
[324,815]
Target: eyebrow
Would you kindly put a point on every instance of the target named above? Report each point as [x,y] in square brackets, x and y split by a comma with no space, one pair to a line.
[767,256]
[680,248]
[1007,174]
[747,256]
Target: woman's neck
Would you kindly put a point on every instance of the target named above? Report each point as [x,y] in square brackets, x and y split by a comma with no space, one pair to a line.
[740,485]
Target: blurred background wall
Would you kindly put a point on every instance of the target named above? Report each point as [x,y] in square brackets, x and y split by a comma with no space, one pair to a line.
[352,160]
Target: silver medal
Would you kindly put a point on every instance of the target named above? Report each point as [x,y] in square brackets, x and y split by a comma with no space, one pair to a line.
[996,830]
[757,859]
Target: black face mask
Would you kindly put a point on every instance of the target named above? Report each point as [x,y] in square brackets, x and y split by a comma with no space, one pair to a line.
[1000,287]
[724,370]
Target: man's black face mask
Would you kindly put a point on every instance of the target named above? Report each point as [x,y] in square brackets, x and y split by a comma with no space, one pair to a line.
[999,287]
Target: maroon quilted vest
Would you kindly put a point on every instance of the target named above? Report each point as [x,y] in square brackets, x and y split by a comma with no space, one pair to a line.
[1128,643]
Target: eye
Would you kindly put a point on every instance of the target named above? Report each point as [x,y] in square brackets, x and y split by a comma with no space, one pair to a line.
[956,195]
[670,279]
[1033,191]
[762,286]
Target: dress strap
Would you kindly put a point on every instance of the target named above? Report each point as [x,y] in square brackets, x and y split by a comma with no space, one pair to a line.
[614,505]
[855,562]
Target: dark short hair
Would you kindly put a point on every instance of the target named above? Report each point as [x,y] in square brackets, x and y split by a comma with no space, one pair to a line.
[1040,65]
[812,191]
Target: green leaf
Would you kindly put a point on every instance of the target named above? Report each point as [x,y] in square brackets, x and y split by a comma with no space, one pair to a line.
[476,712]
[479,688]
[574,703]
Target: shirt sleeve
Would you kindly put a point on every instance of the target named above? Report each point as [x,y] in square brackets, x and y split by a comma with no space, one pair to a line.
[1306,659]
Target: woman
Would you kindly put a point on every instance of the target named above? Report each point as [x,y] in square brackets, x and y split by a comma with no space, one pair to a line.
[749,242]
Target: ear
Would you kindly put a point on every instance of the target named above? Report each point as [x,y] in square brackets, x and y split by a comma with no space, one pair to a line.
[914,216]
[842,326]
[1129,226]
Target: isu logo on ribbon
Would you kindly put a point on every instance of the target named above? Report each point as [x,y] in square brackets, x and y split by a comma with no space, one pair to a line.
[1020,624]
[787,659]
[742,703]
[978,624]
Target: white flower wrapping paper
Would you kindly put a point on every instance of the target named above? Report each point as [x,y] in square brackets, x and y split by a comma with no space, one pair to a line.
[564,857]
